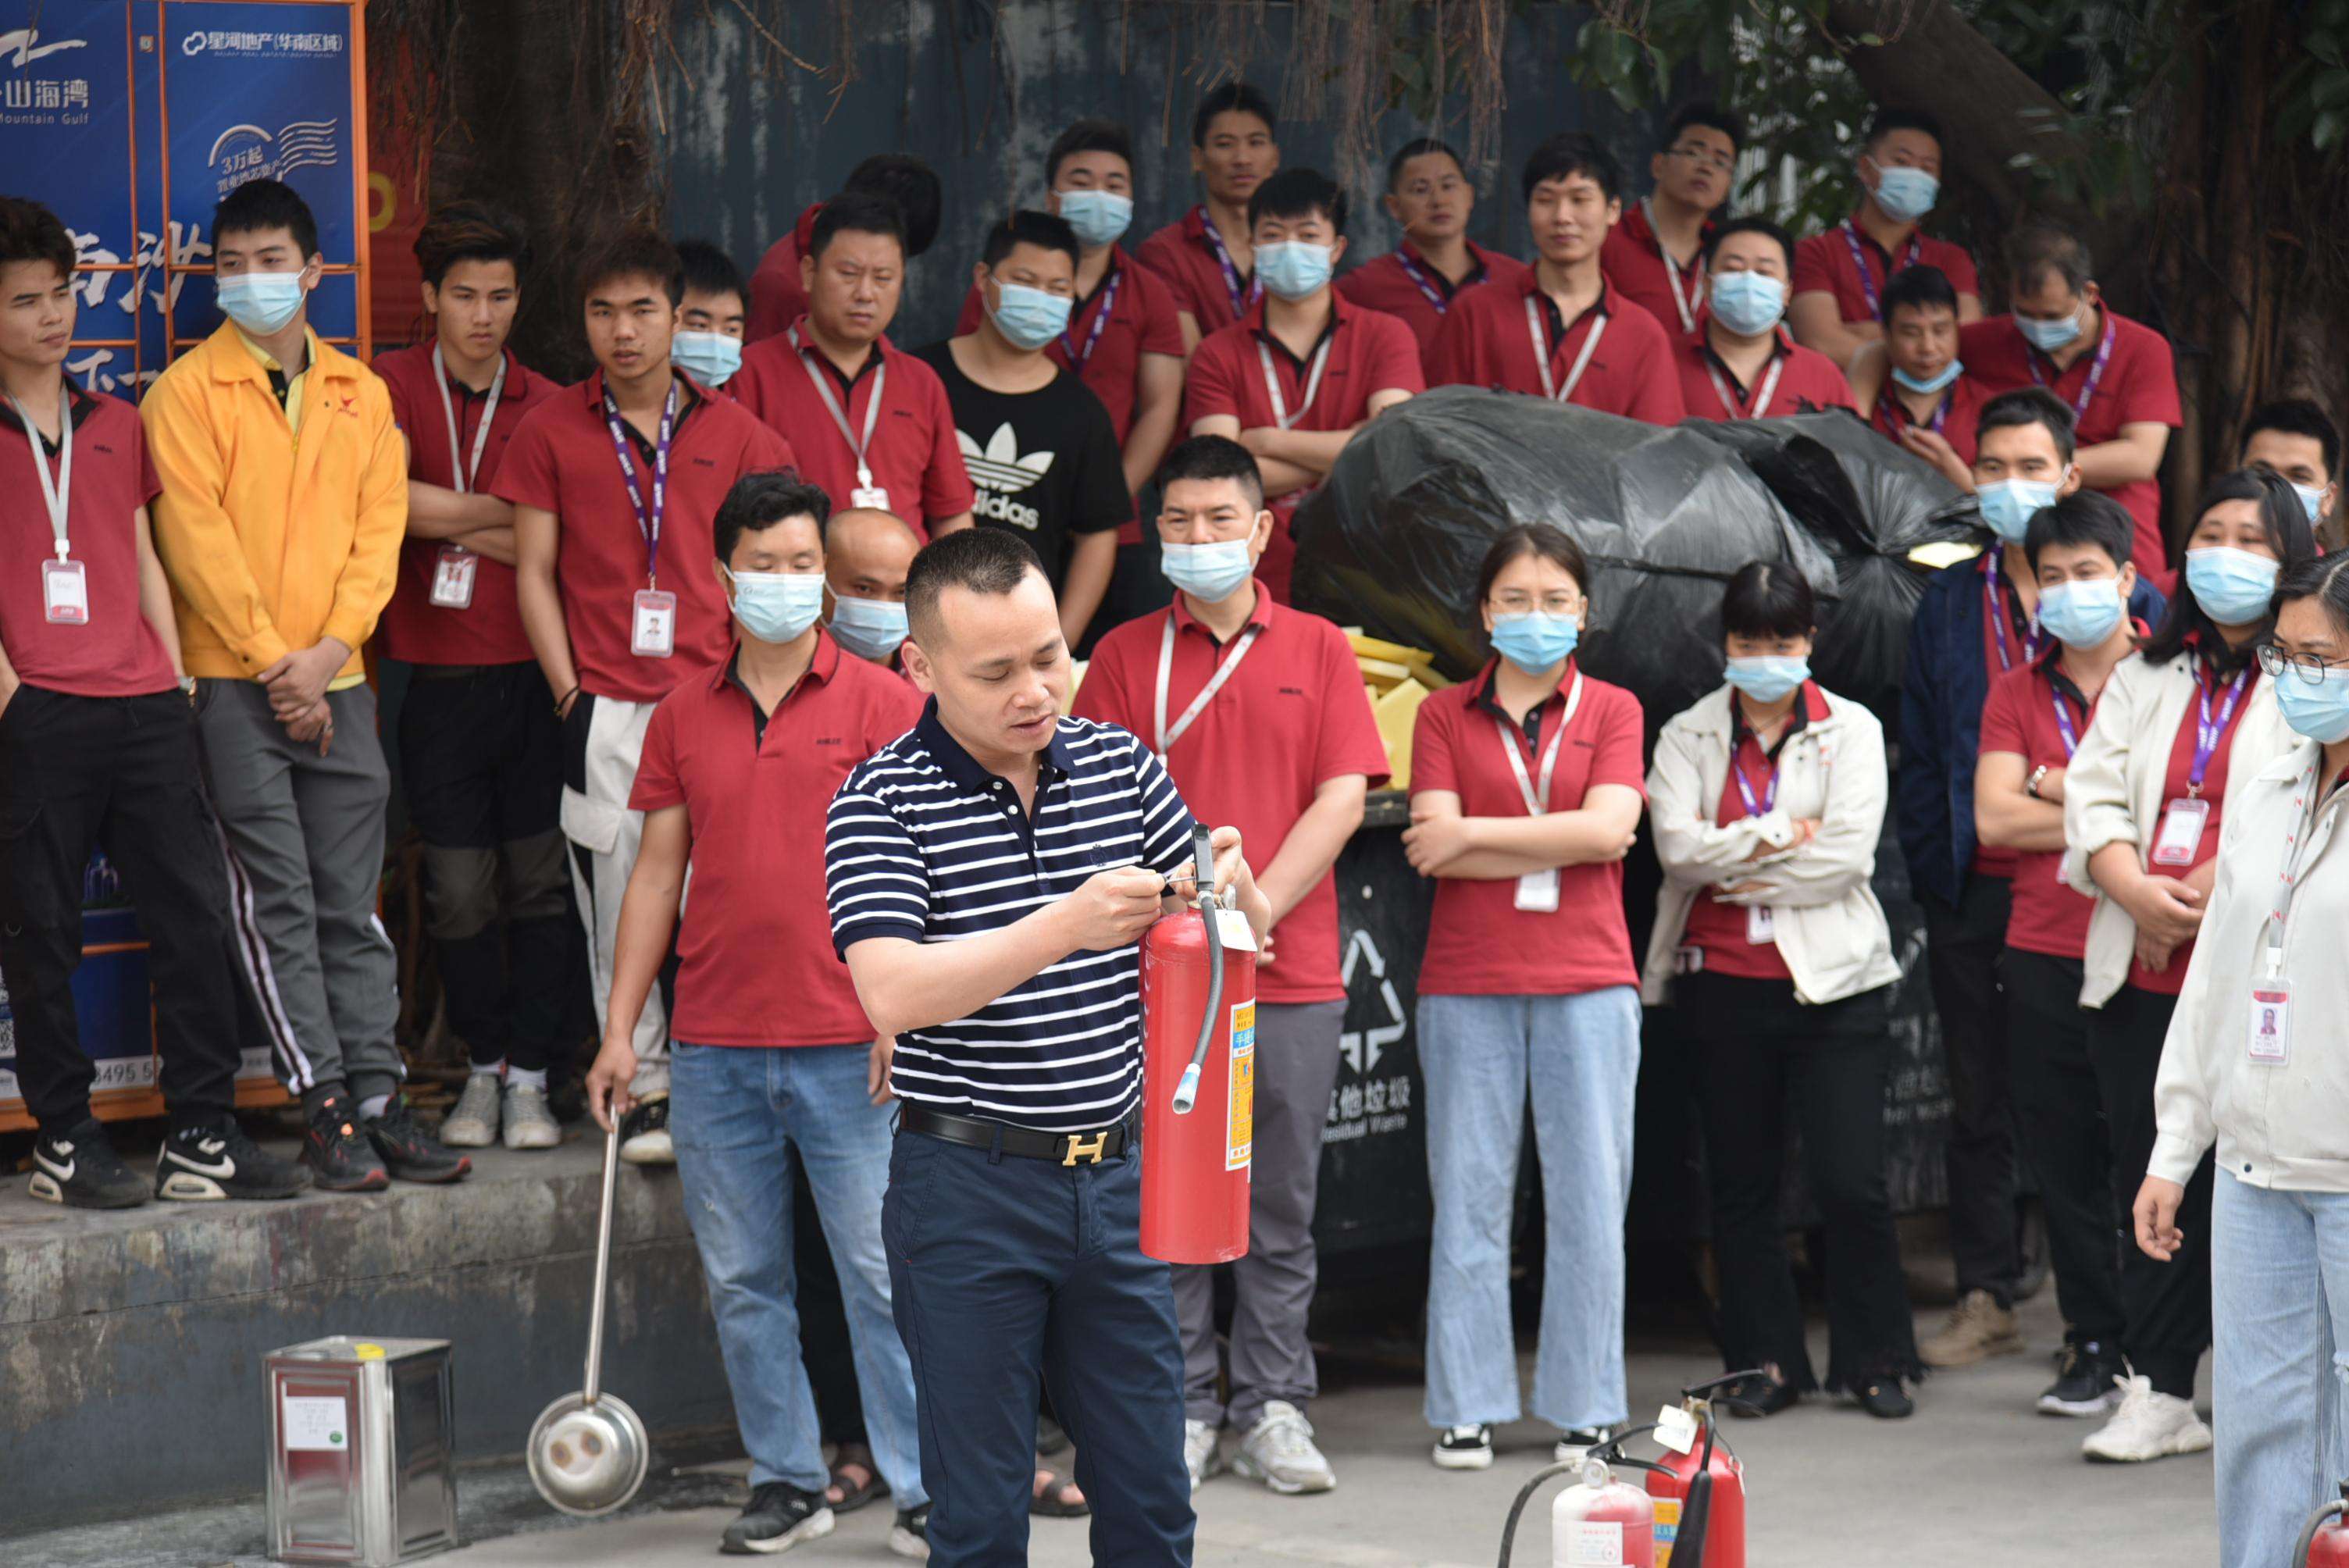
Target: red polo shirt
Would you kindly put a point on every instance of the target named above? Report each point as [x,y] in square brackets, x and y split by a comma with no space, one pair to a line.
[1479,943]
[914,456]
[1370,353]
[115,653]
[1292,716]
[1386,283]
[1954,421]
[1485,342]
[562,460]
[1633,259]
[2139,386]
[1824,263]
[2020,717]
[2176,786]
[1185,257]
[776,298]
[1724,931]
[489,630]
[1806,382]
[755,961]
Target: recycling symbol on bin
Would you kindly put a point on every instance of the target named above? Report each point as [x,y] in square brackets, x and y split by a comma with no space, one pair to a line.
[1362,1047]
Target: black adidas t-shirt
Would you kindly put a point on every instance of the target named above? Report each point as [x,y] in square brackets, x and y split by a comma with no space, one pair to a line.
[1045,464]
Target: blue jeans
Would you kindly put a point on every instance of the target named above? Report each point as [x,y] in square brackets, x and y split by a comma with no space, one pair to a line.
[2280,1318]
[1579,1056]
[735,1112]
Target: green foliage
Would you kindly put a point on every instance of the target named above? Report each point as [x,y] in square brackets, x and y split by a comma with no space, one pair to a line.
[2313,92]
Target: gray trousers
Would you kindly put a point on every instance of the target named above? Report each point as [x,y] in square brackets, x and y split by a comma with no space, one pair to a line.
[305,835]
[1271,1358]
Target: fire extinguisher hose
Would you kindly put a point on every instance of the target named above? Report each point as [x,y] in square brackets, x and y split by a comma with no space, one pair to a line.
[1203,870]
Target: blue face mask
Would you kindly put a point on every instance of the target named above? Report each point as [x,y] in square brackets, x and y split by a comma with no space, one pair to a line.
[2081,613]
[1029,318]
[709,358]
[1535,642]
[1766,678]
[1747,304]
[2233,586]
[776,606]
[2047,336]
[1212,571]
[1949,373]
[2320,713]
[1099,217]
[260,302]
[1905,195]
[869,629]
[1293,270]
[2009,505]
[2311,500]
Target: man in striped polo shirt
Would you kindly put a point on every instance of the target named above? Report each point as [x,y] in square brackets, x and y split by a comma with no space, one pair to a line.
[990,875]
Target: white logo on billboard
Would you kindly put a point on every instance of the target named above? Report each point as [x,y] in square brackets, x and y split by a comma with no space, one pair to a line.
[247,152]
[1362,1047]
[21,47]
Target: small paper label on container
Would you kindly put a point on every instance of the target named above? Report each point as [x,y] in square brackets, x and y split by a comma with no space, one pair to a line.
[313,1424]
[1595,1543]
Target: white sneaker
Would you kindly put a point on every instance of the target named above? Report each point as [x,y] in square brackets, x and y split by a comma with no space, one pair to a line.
[1278,1451]
[2148,1426]
[528,1123]
[1199,1451]
[1465,1449]
[473,1124]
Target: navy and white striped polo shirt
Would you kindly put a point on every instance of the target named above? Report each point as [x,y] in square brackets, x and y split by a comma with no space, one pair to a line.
[923,843]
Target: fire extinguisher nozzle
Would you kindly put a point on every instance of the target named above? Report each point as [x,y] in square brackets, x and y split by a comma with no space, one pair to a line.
[1186,1093]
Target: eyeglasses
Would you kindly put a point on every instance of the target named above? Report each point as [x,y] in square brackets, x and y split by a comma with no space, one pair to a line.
[1560,605]
[2310,669]
[1720,162]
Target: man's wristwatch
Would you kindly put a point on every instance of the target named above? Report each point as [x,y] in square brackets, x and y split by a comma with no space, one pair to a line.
[2038,777]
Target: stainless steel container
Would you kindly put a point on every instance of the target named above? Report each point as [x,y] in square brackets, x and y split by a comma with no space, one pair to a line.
[361,1462]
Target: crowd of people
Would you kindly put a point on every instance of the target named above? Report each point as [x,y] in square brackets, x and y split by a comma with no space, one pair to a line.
[870,981]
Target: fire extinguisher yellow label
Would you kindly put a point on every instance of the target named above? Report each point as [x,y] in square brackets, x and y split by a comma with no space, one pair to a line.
[1668,1529]
[1240,1121]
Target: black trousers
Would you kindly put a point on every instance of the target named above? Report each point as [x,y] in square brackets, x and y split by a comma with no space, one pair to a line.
[1962,944]
[2060,1112]
[121,774]
[2166,1306]
[480,756]
[1762,1056]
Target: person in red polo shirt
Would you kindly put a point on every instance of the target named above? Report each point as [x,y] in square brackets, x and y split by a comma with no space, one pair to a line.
[872,426]
[710,320]
[1206,256]
[1840,276]
[1655,256]
[1911,386]
[614,484]
[773,1055]
[1294,379]
[1260,715]
[481,753]
[97,749]
[2118,379]
[1562,331]
[866,555]
[1740,363]
[777,294]
[1430,196]
[2079,554]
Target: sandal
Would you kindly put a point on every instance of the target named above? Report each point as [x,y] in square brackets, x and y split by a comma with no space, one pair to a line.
[1052,1498]
[854,1494]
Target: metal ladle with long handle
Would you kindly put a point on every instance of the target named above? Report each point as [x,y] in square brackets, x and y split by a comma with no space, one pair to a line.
[588,1452]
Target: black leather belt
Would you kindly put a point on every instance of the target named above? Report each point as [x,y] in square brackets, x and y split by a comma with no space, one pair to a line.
[1027,1142]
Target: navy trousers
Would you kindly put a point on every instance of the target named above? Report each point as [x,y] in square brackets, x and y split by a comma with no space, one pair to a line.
[1006,1270]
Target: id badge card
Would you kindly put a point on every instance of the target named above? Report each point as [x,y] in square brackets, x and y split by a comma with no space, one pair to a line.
[64,592]
[1761,925]
[2181,833]
[867,494]
[452,577]
[1537,891]
[2271,1022]
[652,633]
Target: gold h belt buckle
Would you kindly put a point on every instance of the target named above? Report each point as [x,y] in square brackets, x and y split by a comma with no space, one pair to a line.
[1087,1149]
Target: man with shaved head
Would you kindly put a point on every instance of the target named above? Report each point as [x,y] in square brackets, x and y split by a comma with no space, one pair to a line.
[866,553]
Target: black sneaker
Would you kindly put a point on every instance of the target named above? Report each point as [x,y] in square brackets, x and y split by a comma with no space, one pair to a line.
[1575,1443]
[779,1516]
[80,1169]
[2086,1374]
[1758,1396]
[1885,1397]
[337,1151]
[643,1133]
[910,1536]
[1463,1448]
[201,1164]
[410,1151]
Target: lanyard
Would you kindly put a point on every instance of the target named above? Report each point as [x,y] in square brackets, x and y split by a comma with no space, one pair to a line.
[1994,606]
[822,379]
[1167,738]
[1280,414]
[1686,304]
[1538,801]
[1769,801]
[1542,353]
[1859,262]
[2064,719]
[1761,403]
[2304,840]
[1081,357]
[2095,371]
[1242,297]
[648,523]
[2209,732]
[461,468]
[1892,415]
[57,492]
[1418,275]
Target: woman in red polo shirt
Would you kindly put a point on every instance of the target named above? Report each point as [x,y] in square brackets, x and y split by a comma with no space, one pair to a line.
[1525,798]
[1768,799]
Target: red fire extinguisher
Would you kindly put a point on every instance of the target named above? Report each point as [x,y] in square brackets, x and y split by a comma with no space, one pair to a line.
[2325,1542]
[1198,1107]
[1699,1489]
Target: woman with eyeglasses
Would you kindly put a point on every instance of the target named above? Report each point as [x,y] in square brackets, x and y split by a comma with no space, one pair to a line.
[1768,799]
[1524,799]
[2182,729]
[2257,1065]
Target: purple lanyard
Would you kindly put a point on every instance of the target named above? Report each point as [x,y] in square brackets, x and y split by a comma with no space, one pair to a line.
[1859,261]
[1434,295]
[2063,720]
[1079,357]
[2095,371]
[1241,298]
[649,524]
[1994,606]
[2209,732]
[1888,407]
[1769,801]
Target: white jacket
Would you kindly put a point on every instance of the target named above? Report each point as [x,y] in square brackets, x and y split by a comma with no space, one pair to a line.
[1830,929]
[2287,1126]
[2112,791]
